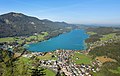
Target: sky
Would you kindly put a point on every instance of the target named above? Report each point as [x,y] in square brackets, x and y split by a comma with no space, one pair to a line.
[70,11]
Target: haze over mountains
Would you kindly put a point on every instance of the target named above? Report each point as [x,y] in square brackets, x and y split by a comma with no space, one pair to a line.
[18,24]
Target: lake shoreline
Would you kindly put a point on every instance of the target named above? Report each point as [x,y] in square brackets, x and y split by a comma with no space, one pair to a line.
[48,40]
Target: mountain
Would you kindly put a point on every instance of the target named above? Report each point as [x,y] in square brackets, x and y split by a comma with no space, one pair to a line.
[18,24]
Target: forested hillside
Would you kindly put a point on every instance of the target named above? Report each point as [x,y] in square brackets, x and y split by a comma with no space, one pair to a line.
[98,32]
[105,43]
[18,24]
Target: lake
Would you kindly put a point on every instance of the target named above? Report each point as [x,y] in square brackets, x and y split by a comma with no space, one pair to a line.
[73,40]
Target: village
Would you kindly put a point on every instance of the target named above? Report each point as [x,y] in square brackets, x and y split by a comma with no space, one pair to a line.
[64,63]
[61,61]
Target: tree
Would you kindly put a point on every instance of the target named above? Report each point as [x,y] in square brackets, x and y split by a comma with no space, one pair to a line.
[8,62]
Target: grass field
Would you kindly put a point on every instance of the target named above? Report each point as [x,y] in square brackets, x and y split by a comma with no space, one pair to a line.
[49,72]
[81,58]
[91,33]
[39,36]
[104,59]
[7,39]
[12,39]
[116,71]
[108,36]
[26,60]
[48,56]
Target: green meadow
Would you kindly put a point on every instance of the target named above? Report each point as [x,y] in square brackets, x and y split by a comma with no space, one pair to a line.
[79,58]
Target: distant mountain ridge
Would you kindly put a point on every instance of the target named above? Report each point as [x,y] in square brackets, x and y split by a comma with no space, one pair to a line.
[18,24]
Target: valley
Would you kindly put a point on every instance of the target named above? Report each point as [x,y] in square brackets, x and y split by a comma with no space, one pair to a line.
[90,51]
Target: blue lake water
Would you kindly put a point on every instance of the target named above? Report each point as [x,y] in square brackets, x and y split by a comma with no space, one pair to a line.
[73,40]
